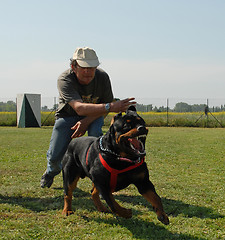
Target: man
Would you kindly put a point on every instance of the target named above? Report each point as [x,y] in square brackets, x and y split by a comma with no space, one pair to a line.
[85,97]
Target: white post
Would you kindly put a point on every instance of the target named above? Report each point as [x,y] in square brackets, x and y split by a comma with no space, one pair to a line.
[28,110]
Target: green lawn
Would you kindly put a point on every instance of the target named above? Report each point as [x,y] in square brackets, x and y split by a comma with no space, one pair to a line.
[186,166]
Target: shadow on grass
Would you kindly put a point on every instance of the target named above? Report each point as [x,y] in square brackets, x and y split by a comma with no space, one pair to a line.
[142,229]
[174,207]
[48,203]
[139,228]
[145,230]
[34,204]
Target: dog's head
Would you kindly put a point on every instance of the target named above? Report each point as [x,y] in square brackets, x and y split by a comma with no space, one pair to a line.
[128,133]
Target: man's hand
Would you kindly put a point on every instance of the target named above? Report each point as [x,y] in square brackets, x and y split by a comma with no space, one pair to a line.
[122,105]
[80,128]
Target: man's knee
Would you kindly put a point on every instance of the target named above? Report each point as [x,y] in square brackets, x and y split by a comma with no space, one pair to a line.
[95,129]
[95,132]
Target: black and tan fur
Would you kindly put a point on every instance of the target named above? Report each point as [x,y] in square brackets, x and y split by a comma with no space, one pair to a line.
[122,147]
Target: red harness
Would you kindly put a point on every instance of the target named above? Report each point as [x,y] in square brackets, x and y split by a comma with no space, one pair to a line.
[114,172]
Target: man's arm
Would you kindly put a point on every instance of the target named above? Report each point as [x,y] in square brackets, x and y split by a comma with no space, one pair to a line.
[97,110]
[94,111]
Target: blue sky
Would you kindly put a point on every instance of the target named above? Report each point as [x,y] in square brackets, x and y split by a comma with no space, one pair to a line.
[150,49]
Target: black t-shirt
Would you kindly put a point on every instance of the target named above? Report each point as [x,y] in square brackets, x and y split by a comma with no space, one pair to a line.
[99,90]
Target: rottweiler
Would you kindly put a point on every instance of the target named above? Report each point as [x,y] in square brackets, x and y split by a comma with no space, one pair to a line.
[113,162]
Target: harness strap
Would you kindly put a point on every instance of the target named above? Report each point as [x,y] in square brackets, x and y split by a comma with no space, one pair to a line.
[115,172]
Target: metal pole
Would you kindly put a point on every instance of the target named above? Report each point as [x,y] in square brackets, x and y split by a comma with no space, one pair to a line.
[207,104]
[54,103]
[167,110]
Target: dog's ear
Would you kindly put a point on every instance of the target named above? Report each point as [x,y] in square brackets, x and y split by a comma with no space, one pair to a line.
[115,117]
[111,130]
[119,115]
[132,108]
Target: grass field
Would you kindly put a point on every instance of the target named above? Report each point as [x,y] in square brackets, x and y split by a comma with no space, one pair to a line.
[186,166]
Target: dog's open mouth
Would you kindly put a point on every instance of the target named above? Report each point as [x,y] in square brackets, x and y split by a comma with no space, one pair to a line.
[137,146]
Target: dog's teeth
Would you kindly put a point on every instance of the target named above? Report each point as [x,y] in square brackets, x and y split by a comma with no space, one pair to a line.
[132,146]
[138,151]
[144,135]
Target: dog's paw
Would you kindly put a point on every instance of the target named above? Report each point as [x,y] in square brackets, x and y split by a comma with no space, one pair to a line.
[67,212]
[164,219]
[125,213]
[103,209]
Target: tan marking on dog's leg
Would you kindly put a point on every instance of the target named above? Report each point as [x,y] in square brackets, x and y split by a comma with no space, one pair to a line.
[67,210]
[155,200]
[97,202]
[120,211]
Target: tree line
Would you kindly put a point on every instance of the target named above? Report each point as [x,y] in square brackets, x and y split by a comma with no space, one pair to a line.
[10,106]
[179,107]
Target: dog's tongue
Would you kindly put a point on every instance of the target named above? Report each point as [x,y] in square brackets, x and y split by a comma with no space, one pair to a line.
[135,143]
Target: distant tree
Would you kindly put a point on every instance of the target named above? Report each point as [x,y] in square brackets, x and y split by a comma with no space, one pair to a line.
[44,109]
[155,109]
[162,109]
[182,107]
[55,106]
[223,107]
[9,106]
[217,109]
[149,108]
[144,108]
[198,107]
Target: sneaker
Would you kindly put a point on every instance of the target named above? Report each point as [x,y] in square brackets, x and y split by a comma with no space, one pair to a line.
[46,180]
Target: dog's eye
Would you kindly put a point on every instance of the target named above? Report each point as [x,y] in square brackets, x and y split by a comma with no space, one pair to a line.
[127,124]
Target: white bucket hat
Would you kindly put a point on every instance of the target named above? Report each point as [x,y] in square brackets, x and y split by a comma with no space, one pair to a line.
[86,57]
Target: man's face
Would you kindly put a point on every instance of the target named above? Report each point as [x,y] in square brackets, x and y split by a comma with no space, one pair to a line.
[84,74]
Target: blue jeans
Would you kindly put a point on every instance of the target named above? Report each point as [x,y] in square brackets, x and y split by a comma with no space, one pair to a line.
[61,137]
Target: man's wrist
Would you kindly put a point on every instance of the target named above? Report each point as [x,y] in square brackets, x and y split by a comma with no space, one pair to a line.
[107,107]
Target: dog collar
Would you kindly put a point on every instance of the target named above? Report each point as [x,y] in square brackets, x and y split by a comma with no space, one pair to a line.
[115,154]
[106,150]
